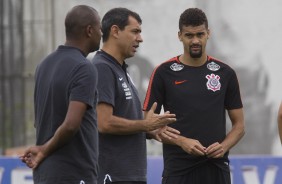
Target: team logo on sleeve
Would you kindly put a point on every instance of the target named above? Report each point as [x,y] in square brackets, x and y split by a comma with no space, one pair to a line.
[176,67]
[213,66]
[213,82]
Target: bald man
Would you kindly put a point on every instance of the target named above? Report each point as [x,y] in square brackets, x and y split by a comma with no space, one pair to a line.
[65,100]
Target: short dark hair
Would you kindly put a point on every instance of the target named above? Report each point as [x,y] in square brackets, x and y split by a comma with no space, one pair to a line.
[78,18]
[119,17]
[193,17]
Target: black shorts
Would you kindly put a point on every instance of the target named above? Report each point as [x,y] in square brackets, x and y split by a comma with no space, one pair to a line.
[108,180]
[207,173]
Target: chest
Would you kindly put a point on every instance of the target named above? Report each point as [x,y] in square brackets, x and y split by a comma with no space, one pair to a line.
[195,84]
[126,89]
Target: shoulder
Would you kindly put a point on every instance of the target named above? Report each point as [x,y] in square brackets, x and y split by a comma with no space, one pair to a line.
[172,63]
[84,69]
[70,53]
[214,64]
[105,68]
[100,60]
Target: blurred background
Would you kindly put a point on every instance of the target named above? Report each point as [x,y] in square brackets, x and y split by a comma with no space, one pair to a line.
[244,34]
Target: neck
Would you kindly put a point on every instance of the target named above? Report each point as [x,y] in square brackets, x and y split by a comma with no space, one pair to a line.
[188,60]
[114,51]
[78,45]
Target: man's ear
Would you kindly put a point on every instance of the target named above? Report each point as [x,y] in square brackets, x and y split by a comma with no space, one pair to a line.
[179,36]
[115,31]
[89,30]
[209,33]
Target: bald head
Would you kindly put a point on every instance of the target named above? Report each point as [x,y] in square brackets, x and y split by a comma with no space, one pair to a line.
[78,18]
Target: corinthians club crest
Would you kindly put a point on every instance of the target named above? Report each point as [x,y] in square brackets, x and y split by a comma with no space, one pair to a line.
[213,66]
[176,67]
[213,82]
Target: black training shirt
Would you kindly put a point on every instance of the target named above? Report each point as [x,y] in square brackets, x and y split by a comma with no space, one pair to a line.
[64,76]
[199,97]
[122,157]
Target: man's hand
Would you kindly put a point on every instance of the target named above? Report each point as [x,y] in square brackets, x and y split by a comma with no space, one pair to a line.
[164,132]
[33,156]
[215,150]
[192,146]
[155,121]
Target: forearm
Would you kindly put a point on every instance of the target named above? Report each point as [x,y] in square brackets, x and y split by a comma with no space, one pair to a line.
[175,141]
[121,126]
[111,124]
[62,136]
[233,137]
[238,129]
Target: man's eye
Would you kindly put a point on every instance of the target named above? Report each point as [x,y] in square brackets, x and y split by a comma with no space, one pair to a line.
[136,31]
[200,34]
[189,35]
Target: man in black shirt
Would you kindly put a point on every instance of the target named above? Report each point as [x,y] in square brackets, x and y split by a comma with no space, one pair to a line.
[65,99]
[122,129]
[198,89]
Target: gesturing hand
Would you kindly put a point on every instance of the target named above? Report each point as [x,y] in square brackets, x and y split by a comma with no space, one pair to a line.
[155,121]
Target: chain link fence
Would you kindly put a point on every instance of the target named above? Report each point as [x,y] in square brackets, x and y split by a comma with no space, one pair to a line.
[25,37]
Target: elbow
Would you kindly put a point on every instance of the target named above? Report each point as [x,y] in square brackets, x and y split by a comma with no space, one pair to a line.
[72,128]
[239,128]
[104,129]
[242,130]
[243,133]
[106,125]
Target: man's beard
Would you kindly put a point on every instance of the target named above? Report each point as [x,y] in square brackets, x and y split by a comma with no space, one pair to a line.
[196,54]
